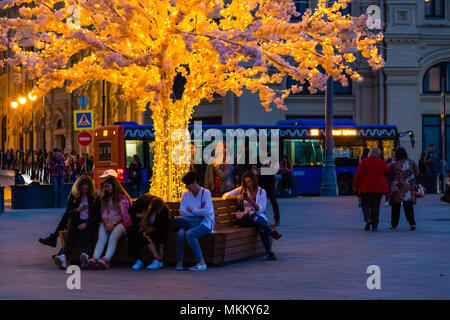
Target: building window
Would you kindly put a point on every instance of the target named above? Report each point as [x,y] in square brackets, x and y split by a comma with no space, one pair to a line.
[59,124]
[431,134]
[300,7]
[434,9]
[339,89]
[207,120]
[290,117]
[433,76]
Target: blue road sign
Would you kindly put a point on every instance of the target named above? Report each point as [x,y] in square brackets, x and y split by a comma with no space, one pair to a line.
[83,101]
[83,120]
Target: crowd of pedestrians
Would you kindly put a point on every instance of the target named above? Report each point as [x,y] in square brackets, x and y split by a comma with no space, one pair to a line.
[221,177]
[39,169]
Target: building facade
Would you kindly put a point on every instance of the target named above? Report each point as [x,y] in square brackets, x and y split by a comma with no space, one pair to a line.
[406,93]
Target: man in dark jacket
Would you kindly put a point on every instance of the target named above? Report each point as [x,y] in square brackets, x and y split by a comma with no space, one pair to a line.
[267,182]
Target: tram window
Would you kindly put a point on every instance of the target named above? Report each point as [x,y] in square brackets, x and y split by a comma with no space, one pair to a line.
[308,152]
[133,147]
[371,144]
[388,147]
[347,155]
[104,151]
[151,153]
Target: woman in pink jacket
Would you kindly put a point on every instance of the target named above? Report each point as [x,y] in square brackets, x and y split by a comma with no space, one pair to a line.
[115,203]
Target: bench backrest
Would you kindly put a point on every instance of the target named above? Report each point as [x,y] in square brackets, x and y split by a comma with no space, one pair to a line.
[224,212]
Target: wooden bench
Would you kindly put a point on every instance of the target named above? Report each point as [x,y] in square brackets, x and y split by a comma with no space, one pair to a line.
[228,243]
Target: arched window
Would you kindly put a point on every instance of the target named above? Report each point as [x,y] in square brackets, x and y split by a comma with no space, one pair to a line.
[433,77]
[59,124]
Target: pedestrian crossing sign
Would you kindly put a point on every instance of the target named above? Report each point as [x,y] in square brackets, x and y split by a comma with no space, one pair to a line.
[83,120]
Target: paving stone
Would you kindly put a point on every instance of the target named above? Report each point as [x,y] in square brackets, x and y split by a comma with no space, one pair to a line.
[323,254]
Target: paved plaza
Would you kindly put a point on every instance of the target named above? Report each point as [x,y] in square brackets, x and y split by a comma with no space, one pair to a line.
[323,254]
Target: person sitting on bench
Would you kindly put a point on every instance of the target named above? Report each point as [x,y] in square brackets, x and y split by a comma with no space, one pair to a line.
[51,240]
[195,222]
[150,218]
[83,210]
[252,204]
[115,203]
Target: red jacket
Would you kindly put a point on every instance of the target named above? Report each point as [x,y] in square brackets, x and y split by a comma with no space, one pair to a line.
[371,176]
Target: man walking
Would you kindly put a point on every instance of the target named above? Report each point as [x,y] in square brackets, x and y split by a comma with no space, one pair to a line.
[432,161]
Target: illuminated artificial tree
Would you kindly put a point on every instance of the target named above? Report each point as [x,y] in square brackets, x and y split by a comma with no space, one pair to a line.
[217,46]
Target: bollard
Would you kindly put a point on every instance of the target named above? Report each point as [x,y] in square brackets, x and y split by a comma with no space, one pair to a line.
[2,199]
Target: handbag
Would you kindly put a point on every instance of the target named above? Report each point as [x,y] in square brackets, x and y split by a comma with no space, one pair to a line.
[420,191]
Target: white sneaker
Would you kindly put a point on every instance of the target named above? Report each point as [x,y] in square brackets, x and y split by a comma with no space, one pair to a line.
[61,261]
[84,258]
[155,265]
[138,265]
[198,267]
[179,266]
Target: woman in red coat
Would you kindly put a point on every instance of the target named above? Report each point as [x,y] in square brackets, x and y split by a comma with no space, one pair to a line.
[371,184]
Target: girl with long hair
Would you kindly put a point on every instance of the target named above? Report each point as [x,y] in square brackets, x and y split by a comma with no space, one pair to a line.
[115,203]
[150,218]
[83,211]
[253,201]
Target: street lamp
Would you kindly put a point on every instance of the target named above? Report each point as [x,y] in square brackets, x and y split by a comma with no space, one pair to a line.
[14,105]
[329,186]
[32,98]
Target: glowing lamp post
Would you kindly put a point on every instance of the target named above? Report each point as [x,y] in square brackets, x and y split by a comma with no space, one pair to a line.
[329,187]
[14,105]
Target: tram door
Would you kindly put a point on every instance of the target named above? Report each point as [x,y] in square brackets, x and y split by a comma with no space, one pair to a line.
[109,151]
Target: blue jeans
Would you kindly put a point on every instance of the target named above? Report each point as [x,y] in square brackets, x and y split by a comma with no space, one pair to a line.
[261,225]
[58,185]
[191,234]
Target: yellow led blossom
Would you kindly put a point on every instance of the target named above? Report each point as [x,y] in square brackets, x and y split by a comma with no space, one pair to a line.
[217,46]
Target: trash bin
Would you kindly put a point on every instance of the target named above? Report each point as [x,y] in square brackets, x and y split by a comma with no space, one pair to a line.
[2,199]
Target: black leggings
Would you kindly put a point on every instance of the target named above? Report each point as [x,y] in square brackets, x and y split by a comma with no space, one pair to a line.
[87,237]
[409,213]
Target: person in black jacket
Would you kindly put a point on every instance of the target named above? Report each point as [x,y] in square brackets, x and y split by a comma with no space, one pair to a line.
[150,226]
[267,182]
[83,212]
[52,239]
[135,173]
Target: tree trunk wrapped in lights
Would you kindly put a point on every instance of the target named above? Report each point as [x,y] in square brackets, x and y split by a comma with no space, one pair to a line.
[217,46]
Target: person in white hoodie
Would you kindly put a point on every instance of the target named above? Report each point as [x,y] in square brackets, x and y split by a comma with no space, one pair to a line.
[195,222]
